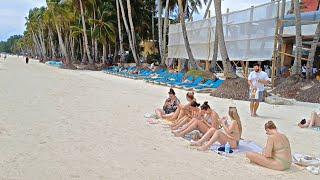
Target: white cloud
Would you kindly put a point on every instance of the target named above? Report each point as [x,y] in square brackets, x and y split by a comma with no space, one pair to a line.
[12,16]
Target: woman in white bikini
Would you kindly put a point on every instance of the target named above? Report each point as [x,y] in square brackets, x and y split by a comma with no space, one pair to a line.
[232,133]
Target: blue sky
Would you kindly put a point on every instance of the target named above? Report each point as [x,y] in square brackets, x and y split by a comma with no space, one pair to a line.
[13,13]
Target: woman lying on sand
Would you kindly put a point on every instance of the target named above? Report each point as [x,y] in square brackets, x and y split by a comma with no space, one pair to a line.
[170,106]
[191,112]
[206,119]
[231,134]
[314,121]
[183,109]
[277,153]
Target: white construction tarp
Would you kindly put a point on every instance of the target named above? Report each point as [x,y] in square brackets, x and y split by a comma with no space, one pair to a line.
[249,35]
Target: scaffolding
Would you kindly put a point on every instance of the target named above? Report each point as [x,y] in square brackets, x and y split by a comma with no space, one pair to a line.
[253,34]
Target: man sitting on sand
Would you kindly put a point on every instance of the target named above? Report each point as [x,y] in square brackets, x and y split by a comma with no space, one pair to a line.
[277,153]
[313,122]
[257,79]
[170,106]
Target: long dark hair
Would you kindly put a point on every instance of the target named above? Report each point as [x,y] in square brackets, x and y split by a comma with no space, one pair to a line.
[205,106]
[194,104]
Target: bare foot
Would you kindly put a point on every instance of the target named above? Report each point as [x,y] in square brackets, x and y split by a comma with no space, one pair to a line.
[195,143]
[178,134]
[202,148]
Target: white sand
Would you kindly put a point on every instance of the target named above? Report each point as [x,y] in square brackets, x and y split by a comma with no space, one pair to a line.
[63,124]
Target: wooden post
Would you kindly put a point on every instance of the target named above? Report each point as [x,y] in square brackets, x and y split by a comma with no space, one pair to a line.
[275,48]
[247,69]
[207,65]
[179,65]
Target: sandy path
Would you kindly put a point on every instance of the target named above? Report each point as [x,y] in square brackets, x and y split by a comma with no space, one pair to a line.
[62,124]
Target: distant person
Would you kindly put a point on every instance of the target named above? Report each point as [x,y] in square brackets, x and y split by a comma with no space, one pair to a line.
[27,60]
[267,70]
[314,71]
[304,71]
[276,154]
[313,122]
[257,79]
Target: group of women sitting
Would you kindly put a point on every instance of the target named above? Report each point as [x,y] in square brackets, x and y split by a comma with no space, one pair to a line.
[193,116]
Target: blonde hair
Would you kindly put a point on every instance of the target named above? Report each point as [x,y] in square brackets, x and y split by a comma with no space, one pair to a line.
[233,113]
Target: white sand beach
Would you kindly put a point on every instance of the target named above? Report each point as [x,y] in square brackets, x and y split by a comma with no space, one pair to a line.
[63,124]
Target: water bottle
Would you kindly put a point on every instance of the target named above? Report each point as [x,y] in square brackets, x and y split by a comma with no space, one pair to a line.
[227,148]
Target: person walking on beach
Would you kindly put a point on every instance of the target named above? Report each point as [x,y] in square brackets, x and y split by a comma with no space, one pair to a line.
[27,60]
[257,79]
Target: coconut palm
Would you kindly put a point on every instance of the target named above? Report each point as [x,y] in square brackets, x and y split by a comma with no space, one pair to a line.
[296,68]
[129,31]
[227,68]
[185,36]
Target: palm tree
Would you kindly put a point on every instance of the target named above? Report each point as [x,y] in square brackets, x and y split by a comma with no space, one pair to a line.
[227,68]
[185,36]
[105,26]
[129,33]
[207,9]
[85,37]
[163,45]
[313,51]
[120,32]
[160,28]
[296,68]
[133,33]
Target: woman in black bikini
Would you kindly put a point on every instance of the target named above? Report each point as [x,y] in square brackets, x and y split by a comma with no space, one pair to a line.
[170,106]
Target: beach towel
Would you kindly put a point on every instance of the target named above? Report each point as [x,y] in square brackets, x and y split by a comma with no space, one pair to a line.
[305,160]
[244,146]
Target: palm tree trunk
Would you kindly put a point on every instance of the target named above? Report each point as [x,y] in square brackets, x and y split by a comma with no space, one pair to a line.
[215,50]
[104,52]
[296,68]
[133,33]
[120,33]
[278,59]
[313,51]
[207,9]
[62,46]
[42,43]
[185,37]
[227,68]
[85,34]
[53,55]
[95,39]
[84,58]
[160,28]
[165,28]
[129,34]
